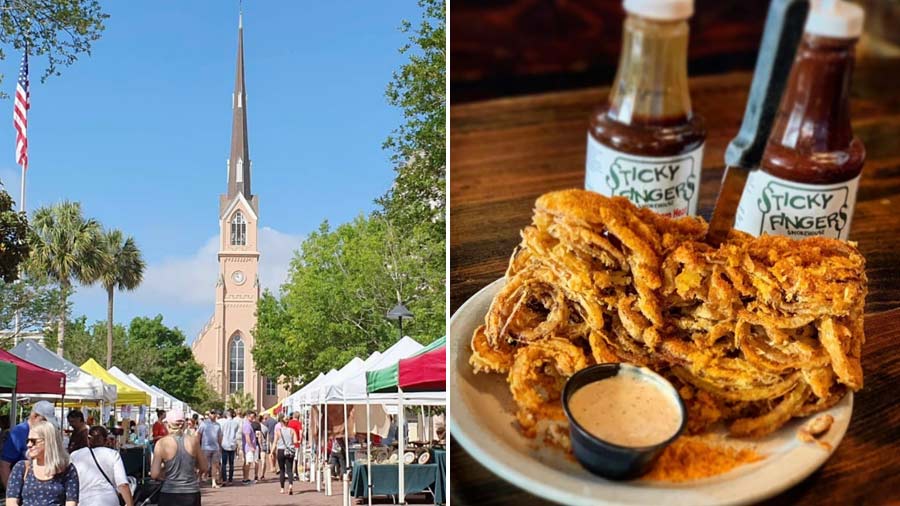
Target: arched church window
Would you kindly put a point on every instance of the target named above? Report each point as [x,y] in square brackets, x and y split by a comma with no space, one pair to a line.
[239,176]
[236,365]
[238,230]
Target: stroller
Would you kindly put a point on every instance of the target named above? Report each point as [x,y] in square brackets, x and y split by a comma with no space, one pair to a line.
[147,493]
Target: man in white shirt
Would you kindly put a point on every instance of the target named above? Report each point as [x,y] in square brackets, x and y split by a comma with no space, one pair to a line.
[96,489]
[231,431]
[211,444]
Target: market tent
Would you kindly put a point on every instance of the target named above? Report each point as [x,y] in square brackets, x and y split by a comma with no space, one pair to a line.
[426,371]
[334,383]
[305,394]
[28,378]
[7,376]
[166,400]
[127,395]
[354,387]
[156,400]
[79,384]
[339,389]
[385,370]
[175,401]
[387,378]
[295,399]
[274,410]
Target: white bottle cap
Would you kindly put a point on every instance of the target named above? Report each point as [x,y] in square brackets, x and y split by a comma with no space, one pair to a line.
[835,18]
[662,10]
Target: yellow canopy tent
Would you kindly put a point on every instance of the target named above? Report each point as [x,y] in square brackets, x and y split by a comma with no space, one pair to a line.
[125,393]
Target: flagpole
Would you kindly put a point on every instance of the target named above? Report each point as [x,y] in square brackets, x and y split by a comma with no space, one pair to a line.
[22,194]
[23,159]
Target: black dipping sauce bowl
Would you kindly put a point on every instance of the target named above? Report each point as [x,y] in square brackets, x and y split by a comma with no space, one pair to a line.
[602,457]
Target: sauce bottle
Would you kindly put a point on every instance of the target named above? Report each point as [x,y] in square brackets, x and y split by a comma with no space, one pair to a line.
[646,143]
[807,180]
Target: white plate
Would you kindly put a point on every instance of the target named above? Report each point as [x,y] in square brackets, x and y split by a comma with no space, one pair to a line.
[481,419]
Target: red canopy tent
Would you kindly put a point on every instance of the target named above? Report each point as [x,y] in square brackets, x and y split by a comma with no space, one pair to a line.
[425,372]
[34,379]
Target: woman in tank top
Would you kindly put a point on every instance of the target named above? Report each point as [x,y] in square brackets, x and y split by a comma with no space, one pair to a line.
[176,459]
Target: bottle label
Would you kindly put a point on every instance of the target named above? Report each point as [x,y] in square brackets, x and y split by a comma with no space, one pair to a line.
[668,185]
[771,205]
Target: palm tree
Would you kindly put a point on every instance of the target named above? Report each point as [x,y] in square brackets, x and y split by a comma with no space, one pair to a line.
[65,249]
[123,270]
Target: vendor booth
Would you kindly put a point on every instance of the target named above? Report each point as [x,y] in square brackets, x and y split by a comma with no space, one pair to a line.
[80,386]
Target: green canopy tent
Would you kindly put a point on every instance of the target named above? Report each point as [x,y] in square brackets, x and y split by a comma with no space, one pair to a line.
[7,376]
[387,379]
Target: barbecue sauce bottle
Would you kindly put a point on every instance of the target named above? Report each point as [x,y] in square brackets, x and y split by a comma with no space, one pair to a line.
[807,180]
[646,143]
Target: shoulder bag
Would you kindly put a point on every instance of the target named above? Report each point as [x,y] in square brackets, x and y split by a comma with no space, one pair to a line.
[289,450]
[118,494]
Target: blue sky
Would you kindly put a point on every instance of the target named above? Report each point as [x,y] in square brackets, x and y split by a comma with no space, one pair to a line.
[139,133]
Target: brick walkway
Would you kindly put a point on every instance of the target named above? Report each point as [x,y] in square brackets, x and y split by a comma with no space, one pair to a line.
[265,493]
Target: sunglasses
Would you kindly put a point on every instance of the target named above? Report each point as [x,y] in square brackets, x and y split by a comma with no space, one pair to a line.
[33,441]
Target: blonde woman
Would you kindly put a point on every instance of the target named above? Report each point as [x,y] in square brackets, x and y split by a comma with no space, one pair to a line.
[47,478]
[175,462]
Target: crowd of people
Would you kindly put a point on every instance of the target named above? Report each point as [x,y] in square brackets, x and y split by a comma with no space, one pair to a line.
[38,467]
[221,438]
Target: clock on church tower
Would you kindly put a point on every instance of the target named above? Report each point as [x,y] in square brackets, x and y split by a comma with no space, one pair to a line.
[224,344]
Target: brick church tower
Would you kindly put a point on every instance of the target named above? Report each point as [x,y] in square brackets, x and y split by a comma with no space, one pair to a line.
[223,346]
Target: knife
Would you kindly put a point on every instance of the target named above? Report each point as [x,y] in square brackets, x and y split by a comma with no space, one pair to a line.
[782,33]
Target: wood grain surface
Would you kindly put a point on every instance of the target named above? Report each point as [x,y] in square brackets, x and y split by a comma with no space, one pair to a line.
[505,153]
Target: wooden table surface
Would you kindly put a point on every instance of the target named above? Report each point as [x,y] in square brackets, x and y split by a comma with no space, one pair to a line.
[505,153]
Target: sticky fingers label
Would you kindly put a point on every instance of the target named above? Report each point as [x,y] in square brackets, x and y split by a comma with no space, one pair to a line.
[667,185]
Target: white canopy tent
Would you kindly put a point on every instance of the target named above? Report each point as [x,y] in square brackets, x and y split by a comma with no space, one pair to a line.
[305,394]
[355,389]
[80,386]
[156,399]
[175,401]
[166,400]
[294,400]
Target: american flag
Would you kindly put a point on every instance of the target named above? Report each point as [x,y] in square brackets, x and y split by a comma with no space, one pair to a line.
[20,113]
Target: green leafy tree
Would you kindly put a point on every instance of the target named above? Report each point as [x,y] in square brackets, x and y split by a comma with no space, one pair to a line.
[84,341]
[240,401]
[65,249]
[36,302]
[271,347]
[343,280]
[178,372]
[14,248]
[340,286]
[419,145]
[123,270]
[206,397]
[60,30]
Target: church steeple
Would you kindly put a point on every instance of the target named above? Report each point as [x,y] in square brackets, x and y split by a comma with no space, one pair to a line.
[239,160]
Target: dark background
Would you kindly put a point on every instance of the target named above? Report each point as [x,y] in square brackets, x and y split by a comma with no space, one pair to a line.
[514,47]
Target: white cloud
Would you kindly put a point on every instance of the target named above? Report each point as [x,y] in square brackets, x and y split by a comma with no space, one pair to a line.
[276,249]
[182,280]
[183,287]
[191,280]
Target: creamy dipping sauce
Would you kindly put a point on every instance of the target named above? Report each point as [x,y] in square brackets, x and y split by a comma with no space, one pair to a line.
[626,410]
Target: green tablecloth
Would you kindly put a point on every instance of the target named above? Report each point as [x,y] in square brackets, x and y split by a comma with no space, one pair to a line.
[417,478]
[440,482]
